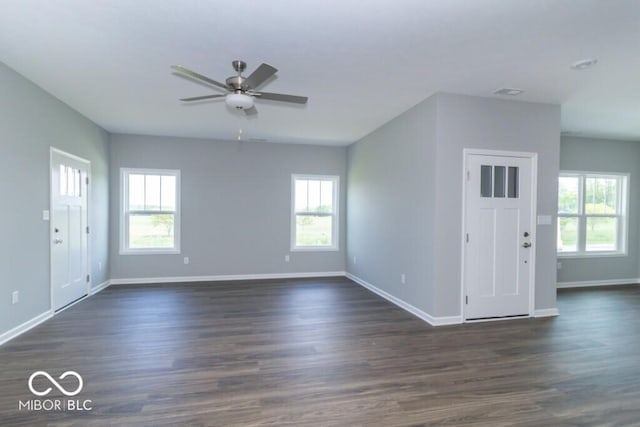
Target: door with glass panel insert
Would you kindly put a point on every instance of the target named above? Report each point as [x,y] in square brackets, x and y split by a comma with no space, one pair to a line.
[69,232]
[498,261]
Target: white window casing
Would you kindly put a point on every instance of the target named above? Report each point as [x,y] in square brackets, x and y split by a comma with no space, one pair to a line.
[149,211]
[314,212]
[592,214]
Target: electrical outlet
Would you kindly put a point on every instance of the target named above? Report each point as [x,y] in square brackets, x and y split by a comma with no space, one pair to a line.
[99,265]
[403,279]
[45,215]
[15,297]
[355,260]
[186,260]
[559,266]
[287,258]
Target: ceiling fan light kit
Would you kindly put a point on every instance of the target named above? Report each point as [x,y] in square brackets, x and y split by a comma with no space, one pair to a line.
[242,91]
[239,101]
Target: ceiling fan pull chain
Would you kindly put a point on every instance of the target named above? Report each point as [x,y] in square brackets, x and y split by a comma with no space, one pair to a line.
[239,128]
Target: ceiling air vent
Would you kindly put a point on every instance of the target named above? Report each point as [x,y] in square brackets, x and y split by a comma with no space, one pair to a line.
[583,64]
[508,91]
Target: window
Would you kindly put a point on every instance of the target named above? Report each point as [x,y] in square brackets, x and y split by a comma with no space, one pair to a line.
[70,181]
[314,220]
[592,214]
[150,219]
[499,181]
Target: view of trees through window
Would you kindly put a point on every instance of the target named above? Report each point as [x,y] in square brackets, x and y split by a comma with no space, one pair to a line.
[314,212]
[151,231]
[589,212]
[151,210]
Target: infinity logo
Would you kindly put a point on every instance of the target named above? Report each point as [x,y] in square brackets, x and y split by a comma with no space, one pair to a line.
[55,383]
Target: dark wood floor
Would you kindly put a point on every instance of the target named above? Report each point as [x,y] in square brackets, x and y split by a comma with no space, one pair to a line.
[326,352]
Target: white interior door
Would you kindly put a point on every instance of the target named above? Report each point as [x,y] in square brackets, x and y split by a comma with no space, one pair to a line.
[498,261]
[69,232]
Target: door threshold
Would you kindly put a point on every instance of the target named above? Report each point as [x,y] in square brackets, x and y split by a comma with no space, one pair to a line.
[74,302]
[497,318]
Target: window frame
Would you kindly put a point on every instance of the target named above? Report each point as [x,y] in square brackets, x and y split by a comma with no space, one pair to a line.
[335,245]
[124,212]
[622,215]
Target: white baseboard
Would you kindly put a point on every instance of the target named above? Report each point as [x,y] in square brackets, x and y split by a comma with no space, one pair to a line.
[21,329]
[434,321]
[446,320]
[591,283]
[101,287]
[546,312]
[231,277]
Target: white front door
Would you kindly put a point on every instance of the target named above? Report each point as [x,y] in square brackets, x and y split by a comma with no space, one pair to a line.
[69,232]
[498,260]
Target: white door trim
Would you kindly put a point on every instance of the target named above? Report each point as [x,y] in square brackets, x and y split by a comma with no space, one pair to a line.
[466,152]
[57,151]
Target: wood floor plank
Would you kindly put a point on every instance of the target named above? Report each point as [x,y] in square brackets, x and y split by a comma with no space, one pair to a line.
[325,352]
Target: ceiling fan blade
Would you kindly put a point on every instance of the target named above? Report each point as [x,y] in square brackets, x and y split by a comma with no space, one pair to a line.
[281,97]
[195,75]
[260,75]
[200,98]
[250,111]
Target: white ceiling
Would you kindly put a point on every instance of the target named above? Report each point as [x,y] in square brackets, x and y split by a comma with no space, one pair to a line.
[360,62]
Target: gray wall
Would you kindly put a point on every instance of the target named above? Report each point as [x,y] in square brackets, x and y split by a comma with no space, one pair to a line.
[599,155]
[390,212]
[236,202]
[404,211]
[31,121]
[472,122]
[405,194]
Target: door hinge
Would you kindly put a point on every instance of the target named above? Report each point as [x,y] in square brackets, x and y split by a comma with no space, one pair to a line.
[86,180]
[88,278]
[466,299]
[87,230]
[467,238]
[468,175]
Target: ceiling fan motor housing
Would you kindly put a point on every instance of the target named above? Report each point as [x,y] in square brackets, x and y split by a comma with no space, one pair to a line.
[237,83]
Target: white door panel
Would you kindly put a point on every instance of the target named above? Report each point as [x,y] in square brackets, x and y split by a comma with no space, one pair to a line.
[69,240]
[77,262]
[60,250]
[498,213]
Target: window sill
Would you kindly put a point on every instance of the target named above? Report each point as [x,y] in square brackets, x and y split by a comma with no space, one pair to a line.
[577,255]
[149,251]
[315,249]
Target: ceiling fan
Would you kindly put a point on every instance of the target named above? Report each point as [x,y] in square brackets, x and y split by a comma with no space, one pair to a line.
[242,91]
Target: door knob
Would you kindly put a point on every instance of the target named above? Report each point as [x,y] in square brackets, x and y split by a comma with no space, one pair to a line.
[526,245]
[57,241]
